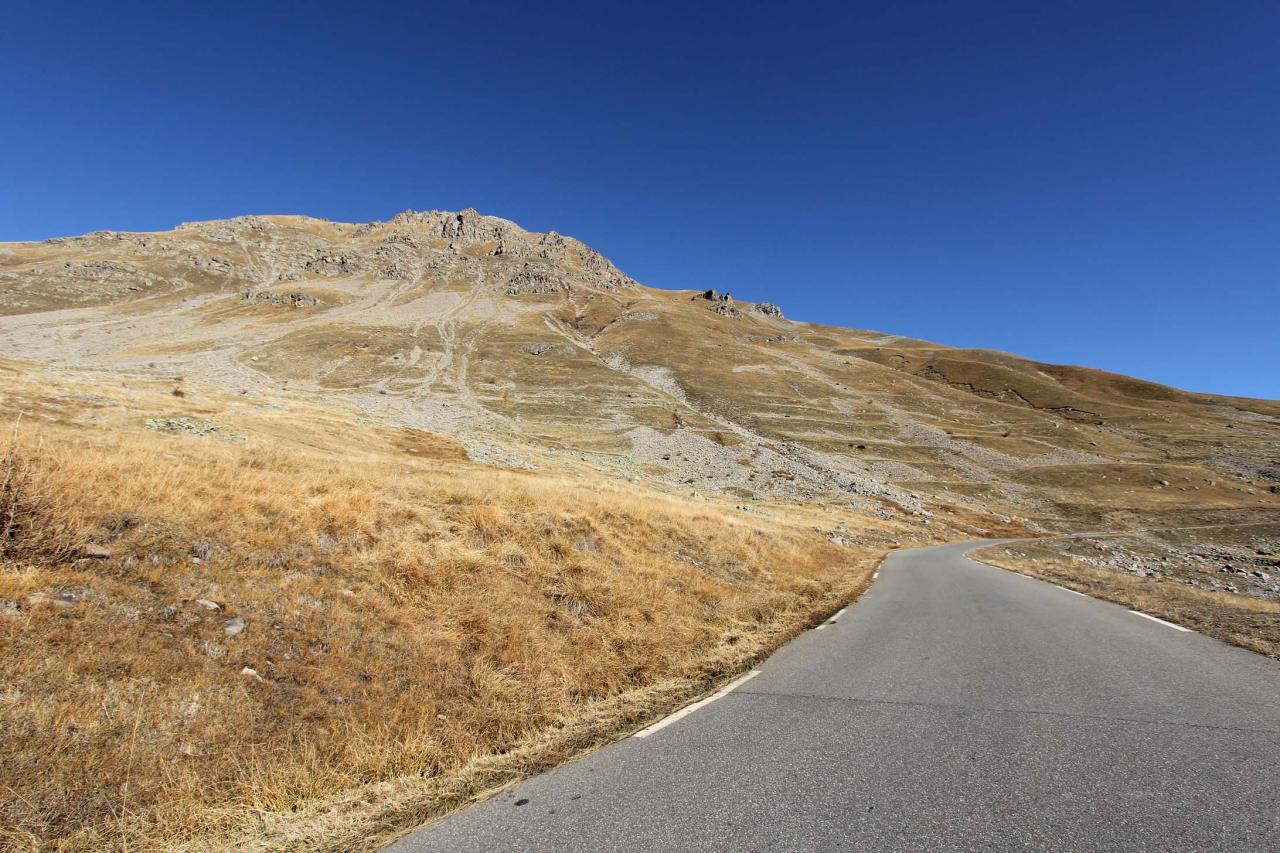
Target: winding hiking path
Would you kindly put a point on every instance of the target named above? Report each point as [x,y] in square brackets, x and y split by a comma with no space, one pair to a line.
[954,707]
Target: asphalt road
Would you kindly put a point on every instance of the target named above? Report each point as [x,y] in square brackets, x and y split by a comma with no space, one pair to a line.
[954,707]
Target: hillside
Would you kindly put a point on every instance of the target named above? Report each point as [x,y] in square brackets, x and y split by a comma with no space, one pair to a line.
[533,350]
[391,513]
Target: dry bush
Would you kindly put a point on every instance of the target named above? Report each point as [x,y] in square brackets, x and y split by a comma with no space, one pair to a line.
[403,619]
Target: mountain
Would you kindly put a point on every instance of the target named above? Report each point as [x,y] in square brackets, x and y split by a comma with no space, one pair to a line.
[313,531]
[533,350]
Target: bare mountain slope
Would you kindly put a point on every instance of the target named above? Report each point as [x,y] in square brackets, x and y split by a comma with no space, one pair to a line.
[534,350]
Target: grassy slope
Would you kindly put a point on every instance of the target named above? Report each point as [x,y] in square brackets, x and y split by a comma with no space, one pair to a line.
[410,616]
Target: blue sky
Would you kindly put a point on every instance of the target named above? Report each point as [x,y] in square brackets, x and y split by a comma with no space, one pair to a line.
[1091,183]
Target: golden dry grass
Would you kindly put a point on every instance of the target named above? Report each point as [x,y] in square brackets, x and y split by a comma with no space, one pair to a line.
[420,624]
[1251,623]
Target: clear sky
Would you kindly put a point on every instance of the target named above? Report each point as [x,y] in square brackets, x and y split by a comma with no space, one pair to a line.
[1091,183]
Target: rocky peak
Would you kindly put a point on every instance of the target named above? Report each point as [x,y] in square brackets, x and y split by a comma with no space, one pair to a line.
[460,227]
[258,251]
[722,303]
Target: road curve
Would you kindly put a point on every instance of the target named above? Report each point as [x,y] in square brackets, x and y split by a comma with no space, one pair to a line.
[954,707]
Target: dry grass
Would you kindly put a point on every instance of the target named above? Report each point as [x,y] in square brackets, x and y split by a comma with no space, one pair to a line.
[14,484]
[422,626]
[1251,623]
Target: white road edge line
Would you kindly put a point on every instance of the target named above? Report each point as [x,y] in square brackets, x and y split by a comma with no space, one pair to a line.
[833,619]
[1072,591]
[1161,621]
[689,709]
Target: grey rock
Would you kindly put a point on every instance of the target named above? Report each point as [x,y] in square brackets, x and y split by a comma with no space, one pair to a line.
[293,299]
[59,599]
[194,426]
[334,264]
[204,549]
[234,627]
[531,279]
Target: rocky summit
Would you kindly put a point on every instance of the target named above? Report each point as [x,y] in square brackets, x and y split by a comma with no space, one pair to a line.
[533,351]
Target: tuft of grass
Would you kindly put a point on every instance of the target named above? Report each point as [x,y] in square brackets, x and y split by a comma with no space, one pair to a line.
[14,480]
[29,521]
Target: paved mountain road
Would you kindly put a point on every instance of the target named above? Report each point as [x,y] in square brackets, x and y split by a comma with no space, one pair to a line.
[954,707]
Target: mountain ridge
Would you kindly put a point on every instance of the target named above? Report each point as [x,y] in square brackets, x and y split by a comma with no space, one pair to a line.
[472,326]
